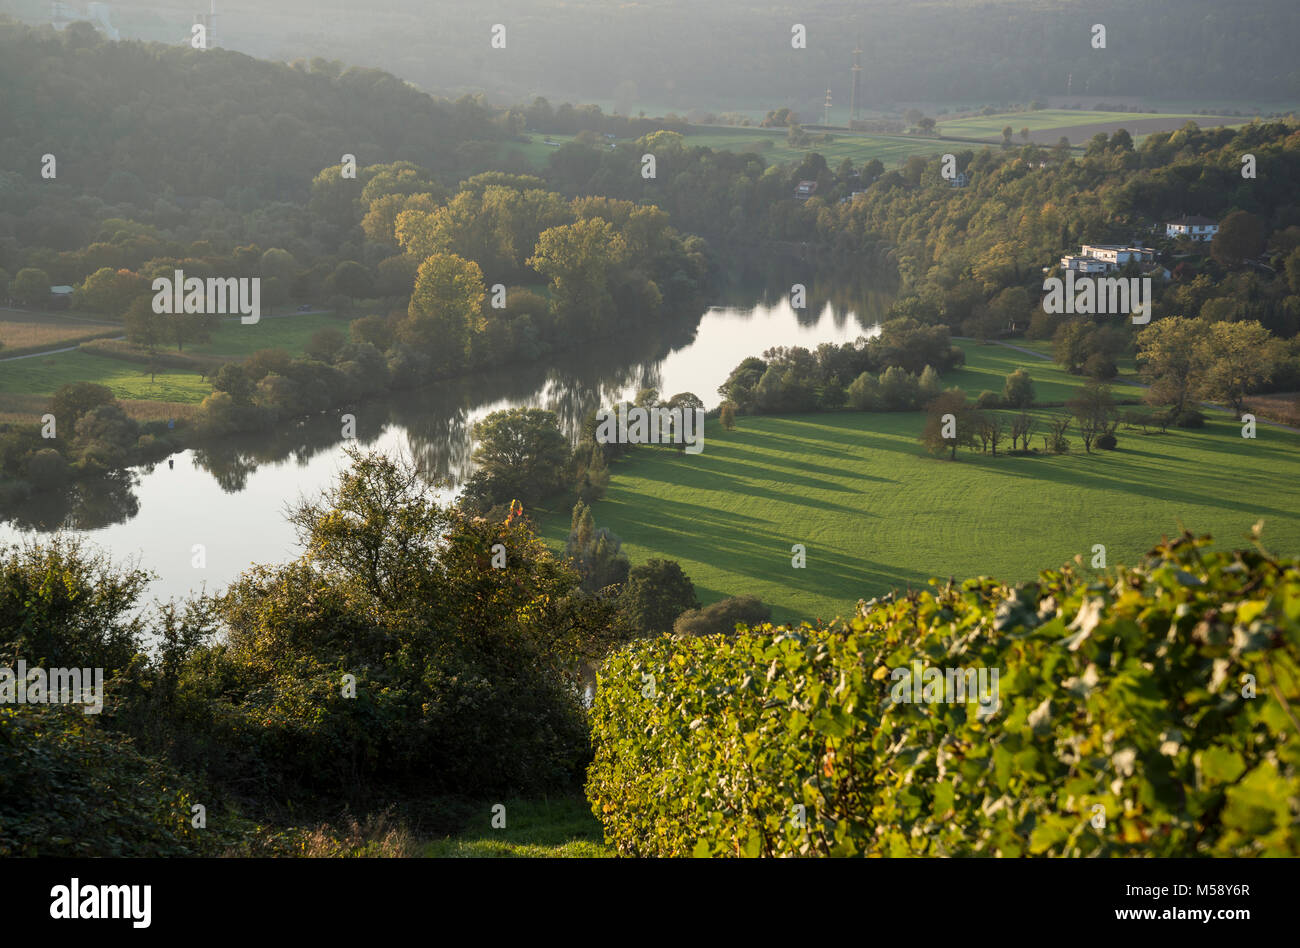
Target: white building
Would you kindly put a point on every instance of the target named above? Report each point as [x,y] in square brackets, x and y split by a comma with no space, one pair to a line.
[1116,255]
[1083,264]
[1195,228]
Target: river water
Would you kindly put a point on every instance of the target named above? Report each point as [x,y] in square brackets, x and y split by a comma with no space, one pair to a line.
[230,497]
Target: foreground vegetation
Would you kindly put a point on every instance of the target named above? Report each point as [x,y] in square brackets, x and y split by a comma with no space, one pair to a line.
[1148,713]
[416,658]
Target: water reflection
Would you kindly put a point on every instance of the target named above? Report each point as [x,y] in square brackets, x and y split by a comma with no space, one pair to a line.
[231,493]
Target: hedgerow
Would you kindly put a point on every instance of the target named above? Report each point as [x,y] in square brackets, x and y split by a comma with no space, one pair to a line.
[1149,712]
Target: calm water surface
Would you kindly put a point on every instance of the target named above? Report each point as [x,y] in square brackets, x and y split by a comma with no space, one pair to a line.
[231,496]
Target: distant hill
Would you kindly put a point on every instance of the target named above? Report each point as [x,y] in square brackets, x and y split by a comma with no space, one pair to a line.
[131,120]
[732,54]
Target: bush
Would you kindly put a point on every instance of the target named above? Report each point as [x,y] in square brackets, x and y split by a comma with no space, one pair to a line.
[47,470]
[1125,695]
[723,616]
[1018,392]
[1190,418]
[1100,365]
[988,400]
[68,789]
[1107,442]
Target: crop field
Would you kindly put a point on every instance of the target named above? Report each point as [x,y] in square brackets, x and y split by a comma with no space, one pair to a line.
[22,330]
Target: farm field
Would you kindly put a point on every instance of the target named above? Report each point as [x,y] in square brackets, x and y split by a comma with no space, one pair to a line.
[890,149]
[1047,120]
[23,330]
[536,151]
[291,333]
[875,512]
[26,383]
[1048,126]
[44,375]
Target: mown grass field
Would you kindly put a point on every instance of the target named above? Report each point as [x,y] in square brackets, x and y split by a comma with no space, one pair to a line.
[990,126]
[39,377]
[291,333]
[44,375]
[875,512]
[890,149]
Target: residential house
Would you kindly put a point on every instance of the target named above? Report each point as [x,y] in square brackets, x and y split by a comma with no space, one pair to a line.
[1083,264]
[804,190]
[1195,228]
[1117,255]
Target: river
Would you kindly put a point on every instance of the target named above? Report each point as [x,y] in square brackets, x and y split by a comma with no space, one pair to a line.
[230,497]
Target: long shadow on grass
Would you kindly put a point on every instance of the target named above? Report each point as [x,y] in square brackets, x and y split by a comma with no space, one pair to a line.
[861,439]
[700,479]
[760,555]
[781,470]
[1077,477]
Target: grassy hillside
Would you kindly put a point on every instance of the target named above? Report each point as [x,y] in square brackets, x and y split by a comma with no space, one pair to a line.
[875,512]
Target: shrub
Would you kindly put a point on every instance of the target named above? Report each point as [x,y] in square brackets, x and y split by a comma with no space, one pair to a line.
[723,616]
[1018,392]
[1107,442]
[47,470]
[988,400]
[1191,418]
[1100,365]
[1125,695]
[68,789]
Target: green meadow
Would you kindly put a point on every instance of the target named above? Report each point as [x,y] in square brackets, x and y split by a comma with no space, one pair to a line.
[875,512]
[290,333]
[990,126]
[890,149]
[44,375]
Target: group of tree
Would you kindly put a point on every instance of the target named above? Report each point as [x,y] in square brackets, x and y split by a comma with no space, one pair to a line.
[1187,360]
[954,421]
[894,370]
[656,597]
[86,432]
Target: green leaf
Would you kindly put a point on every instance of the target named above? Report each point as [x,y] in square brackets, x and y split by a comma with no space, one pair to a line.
[1220,765]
